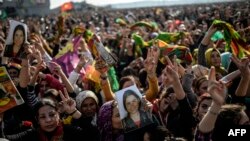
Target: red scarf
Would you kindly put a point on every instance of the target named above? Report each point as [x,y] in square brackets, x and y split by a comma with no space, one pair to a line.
[57,134]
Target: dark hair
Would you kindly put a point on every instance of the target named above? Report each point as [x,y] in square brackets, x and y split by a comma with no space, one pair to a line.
[197,83]
[167,92]
[229,116]
[19,27]
[129,93]
[205,96]
[161,133]
[124,79]
[44,102]
[52,93]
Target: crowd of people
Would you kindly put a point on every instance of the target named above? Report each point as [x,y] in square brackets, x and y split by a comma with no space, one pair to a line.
[193,86]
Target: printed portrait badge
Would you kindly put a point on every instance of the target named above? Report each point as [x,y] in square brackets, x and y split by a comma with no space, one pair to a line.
[132,109]
[16,39]
[9,95]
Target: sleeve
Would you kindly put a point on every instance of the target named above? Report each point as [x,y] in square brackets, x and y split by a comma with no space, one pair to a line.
[199,136]
[186,114]
[187,81]
[27,135]
[153,89]
[31,97]
[46,57]
[73,76]
[201,55]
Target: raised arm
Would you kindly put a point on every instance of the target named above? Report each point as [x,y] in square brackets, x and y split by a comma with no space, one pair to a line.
[217,90]
[243,66]
[102,67]
[150,65]
[204,44]
[65,80]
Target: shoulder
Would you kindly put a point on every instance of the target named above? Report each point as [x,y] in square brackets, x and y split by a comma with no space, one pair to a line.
[77,133]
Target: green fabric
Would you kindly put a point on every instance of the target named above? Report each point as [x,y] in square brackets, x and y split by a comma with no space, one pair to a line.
[113,79]
[217,36]
[3,15]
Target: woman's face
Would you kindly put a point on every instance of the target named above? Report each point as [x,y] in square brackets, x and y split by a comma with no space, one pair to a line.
[215,59]
[203,107]
[116,121]
[132,104]
[18,38]
[48,118]
[89,107]
[166,101]
[203,87]
[44,86]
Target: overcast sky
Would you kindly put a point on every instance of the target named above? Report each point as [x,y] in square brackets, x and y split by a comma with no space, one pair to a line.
[57,3]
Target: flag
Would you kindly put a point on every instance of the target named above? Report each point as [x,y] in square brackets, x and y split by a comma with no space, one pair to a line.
[97,49]
[234,42]
[120,21]
[68,58]
[67,6]
[183,53]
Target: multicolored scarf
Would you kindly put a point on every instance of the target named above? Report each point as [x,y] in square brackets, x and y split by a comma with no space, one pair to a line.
[120,21]
[164,36]
[208,53]
[151,26]
[57,134]
[104,123]
[234,41]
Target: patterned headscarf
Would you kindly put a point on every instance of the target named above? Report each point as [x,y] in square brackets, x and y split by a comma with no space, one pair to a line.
[104,123]
[83,95]
[208,53]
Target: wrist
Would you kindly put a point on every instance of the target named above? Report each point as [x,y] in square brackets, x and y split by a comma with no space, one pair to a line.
[213,112]
[72,113]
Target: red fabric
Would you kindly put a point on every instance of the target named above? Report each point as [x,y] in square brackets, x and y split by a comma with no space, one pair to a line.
[67,6]
[57,135]
[54,83]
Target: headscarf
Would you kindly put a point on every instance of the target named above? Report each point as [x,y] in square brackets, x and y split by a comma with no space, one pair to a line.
[104,123]
[208,53]
[83,95]
[225,59]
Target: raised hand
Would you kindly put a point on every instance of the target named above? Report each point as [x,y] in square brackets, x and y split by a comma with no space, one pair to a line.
[101,66]
[67,104]
[216,89]
[243,65]
[151,61]
[55,68]
[170,73]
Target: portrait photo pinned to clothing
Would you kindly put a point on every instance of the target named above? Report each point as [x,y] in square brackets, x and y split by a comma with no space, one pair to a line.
[132,109]
[16,40]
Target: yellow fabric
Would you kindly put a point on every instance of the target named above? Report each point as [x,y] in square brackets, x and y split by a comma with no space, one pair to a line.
[107,91]
[208,53]
[67,120]
[153,89]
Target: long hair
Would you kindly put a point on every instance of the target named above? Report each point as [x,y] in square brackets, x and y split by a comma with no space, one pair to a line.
[129,93]
[19,27]
[44,102]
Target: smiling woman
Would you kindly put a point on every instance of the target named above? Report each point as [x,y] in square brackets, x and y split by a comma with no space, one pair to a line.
[137,117]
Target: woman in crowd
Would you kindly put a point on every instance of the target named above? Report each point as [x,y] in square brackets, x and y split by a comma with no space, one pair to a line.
[210,56]
[136,116]
[17,47]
